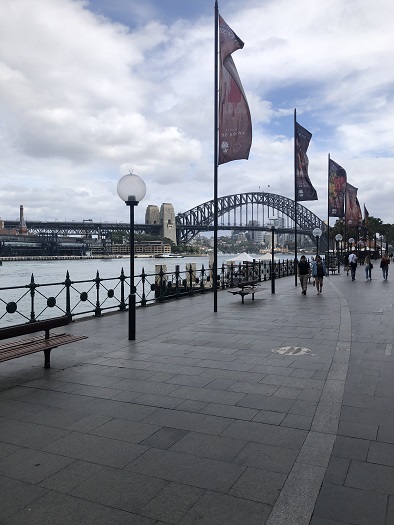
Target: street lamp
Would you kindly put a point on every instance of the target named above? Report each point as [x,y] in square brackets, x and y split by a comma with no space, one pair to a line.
[317,233]
[351,242]
[338,239]
[131,189]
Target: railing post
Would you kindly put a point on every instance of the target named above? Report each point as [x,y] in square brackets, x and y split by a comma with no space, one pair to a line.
[32,287]
[67,284]
[143,279]
[223,276]
[177,281]
[122,278]
[97,310]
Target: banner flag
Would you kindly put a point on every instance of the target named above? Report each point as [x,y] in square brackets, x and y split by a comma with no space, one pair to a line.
[235,123]
[336,190]
[304,189]
[353,210]
[366,216]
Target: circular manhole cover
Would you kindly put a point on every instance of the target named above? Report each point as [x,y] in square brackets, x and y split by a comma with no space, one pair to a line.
[292,350]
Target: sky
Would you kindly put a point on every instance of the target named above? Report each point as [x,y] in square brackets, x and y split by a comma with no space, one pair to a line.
[93,89]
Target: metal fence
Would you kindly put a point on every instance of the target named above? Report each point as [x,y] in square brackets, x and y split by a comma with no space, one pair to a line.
[95,297]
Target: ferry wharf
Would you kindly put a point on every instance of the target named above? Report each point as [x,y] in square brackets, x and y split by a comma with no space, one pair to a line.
[278,411]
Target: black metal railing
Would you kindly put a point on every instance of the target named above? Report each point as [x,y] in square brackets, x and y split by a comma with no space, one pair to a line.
[36,301]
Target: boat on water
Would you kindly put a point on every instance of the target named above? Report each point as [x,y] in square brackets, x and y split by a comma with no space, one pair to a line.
[168,256]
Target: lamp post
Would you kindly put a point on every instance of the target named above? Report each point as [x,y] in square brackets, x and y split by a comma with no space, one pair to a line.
[131,189]
[351,242]
[317,233]
[338,239]
[273,275]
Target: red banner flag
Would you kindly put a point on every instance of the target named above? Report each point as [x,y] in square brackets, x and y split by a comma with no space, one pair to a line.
[353,210]
[336,190]
[235,124]
[304,189]
[366,215]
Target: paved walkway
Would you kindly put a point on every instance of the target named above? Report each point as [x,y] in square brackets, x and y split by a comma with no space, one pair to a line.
[279,412]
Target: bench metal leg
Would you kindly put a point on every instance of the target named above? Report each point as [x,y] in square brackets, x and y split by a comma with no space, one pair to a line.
[47,358]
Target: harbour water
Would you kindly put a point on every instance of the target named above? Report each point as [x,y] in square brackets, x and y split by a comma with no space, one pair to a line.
[17,273]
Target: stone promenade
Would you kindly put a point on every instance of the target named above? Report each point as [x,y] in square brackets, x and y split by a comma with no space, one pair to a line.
[279,411]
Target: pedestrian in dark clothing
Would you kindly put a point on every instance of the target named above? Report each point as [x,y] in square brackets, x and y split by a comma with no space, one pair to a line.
[318,272]
[304,271]
[384,264]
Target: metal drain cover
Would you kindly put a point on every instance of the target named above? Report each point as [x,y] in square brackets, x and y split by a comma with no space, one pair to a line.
[292,350]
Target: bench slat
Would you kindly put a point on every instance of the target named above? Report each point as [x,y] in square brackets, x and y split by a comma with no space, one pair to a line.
[36,326]
[26,346]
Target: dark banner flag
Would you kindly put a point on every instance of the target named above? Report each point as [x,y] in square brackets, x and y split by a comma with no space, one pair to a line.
[235,124]
[366,215]
[353,210]
[303,186]
[336,190]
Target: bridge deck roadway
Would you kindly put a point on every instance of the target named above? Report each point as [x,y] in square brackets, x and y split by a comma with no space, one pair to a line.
[199,421]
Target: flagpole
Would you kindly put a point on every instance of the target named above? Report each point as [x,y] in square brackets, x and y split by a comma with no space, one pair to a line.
[215,175]
[295,199]
[328,214]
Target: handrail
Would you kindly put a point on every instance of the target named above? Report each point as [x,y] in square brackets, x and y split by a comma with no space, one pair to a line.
[97,296]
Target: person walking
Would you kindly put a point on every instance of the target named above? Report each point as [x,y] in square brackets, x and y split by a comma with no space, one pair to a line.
[318,272]
[304,271]
[384,264]
[368,267]
[353,264]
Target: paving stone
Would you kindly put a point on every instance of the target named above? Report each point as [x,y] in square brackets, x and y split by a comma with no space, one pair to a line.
[221,509]
[184,468]
[32,466]
[72,475]
[27,434]
[172,502]
[188,421]
[352,448]
[297,421]
[277,404]
[337,470]
[96,449]
[234,412]
[271,418]
[122,490]
[67,510]
[359,507]
[164,438]
[16,495]
[190,405]
[269,434]
[268,457]
[122,430]
[357,430]
[303,408]
[386,434]
[207,394]
[368,476]
[382,453]
[205,445]
[259,485]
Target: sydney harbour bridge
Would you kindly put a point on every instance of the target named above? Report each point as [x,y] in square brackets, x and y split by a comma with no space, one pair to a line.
[241,211]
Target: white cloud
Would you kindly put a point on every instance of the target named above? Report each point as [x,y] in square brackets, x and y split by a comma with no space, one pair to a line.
[84,98]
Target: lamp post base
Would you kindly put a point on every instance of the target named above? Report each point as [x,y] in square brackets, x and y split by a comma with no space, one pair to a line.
[132,317]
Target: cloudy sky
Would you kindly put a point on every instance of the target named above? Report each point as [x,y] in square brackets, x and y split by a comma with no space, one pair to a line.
[92,89]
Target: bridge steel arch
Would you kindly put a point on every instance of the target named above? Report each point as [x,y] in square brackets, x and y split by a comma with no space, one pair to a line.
[203,214]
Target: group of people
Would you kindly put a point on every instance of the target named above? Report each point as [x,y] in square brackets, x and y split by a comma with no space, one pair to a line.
[318,270]
[368,266]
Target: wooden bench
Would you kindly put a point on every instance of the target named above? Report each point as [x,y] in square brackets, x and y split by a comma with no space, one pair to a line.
[247,288]
[20,347]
